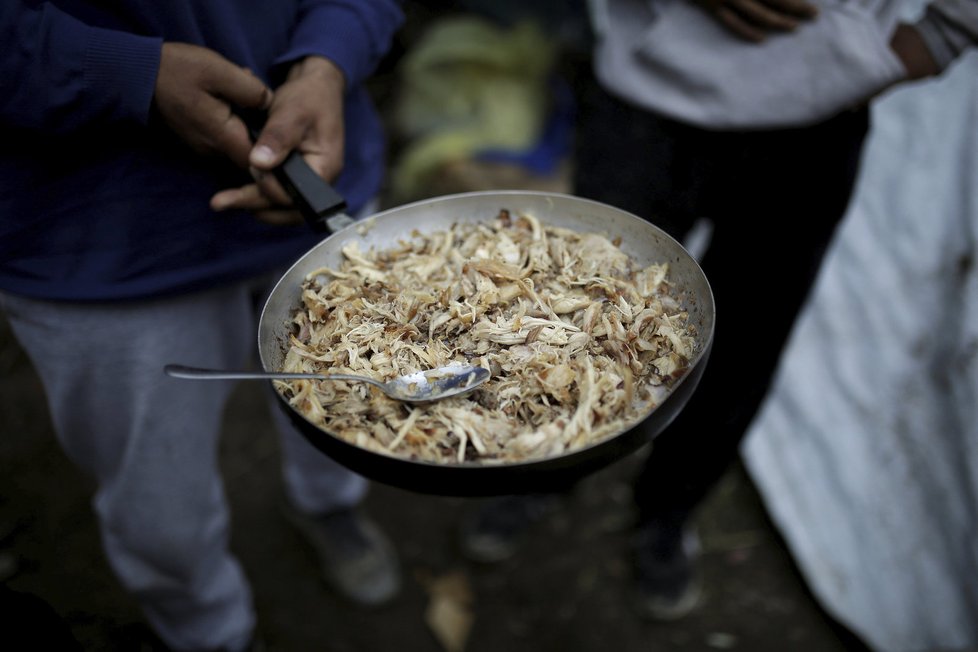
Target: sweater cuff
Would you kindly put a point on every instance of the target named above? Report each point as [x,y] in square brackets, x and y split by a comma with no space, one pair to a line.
[121,68]
[355,42]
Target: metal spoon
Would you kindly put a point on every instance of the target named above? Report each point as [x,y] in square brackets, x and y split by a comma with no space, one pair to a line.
[417,387]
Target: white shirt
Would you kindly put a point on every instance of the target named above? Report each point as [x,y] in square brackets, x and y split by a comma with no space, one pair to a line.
[673,57]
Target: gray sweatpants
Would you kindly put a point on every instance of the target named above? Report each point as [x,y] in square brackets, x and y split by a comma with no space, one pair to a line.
[151,443]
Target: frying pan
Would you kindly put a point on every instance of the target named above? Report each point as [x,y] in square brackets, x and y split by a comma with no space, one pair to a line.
[646,243]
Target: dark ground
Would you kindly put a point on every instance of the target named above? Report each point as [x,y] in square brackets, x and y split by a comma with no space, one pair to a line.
[566,590]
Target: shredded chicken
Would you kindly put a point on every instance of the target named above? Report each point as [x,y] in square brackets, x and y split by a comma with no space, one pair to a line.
[581,342]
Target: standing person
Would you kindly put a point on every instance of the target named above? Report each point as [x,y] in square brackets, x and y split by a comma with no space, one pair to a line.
[751,114]
[139,226]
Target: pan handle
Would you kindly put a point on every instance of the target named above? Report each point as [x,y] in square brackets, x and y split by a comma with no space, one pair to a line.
[320,204]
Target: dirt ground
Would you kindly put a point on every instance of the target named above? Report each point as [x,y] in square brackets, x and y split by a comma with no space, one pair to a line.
[567,589]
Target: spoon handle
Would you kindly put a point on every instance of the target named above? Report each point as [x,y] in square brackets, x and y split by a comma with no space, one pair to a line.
[199,373]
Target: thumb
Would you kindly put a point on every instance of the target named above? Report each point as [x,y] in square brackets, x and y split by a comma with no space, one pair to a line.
[249,98]
[279,135]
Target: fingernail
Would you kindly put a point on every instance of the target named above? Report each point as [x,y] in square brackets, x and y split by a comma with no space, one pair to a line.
[262,155]
[222,200]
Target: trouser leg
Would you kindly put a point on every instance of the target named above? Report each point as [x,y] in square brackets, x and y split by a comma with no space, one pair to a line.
[314,483]
[775,199]
[150,442]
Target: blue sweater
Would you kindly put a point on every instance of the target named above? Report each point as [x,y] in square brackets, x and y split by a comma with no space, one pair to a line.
[98,200]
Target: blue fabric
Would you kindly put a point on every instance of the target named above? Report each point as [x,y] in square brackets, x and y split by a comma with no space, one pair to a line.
[98,200]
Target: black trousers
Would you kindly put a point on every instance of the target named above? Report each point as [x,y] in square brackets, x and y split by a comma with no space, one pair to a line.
[775,199]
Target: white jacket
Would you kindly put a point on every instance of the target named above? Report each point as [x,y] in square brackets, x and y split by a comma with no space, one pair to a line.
[673,57]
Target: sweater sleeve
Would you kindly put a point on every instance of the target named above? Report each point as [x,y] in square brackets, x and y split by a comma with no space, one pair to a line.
[61,75]
[948,27]
[353,34]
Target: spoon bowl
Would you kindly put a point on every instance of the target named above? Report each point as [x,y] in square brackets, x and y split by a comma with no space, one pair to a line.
[417,387]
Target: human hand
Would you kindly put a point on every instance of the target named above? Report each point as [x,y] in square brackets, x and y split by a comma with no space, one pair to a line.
[194,94]
[305,114]
[754,20]
[910,48]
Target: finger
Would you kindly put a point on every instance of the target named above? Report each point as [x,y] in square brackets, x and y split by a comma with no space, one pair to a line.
[280,217]
[240,87]
[234,138]
[220,129]
[248,197]
[232,86]
[797,8]
[282,132]
[758,14]
[323,155]
[269,186]
[739,26]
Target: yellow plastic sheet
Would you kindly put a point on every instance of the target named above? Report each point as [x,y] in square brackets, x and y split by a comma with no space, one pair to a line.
[468,85]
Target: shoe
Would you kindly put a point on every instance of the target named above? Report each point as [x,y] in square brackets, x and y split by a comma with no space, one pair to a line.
[135,637]
[257,644]
[494,532]
[358,560]
[666,584]
[139,637]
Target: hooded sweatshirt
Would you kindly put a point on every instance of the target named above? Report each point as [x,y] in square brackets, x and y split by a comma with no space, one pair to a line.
[673,57]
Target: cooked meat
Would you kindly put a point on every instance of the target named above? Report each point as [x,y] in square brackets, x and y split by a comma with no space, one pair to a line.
[581,341]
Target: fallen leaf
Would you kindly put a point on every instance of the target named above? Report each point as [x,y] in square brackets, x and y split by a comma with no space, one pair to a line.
[449,614]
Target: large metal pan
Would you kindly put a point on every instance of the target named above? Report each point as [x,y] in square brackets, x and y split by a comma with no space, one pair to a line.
[643,241]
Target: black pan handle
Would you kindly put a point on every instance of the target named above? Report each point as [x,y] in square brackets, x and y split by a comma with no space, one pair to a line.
[313,196]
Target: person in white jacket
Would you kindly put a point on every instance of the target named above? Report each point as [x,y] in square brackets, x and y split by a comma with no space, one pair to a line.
[747,116]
